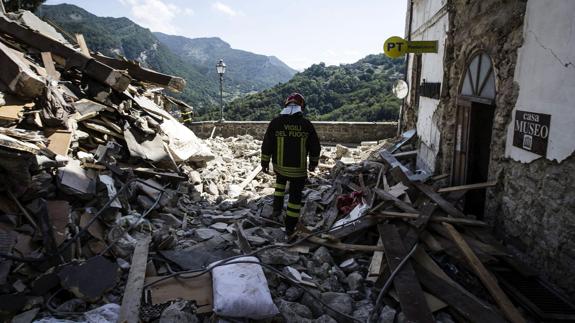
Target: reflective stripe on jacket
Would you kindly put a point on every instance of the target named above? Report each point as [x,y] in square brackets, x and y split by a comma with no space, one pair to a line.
[288,142]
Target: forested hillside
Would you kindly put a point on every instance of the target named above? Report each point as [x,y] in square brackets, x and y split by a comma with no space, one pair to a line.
[354,92]
[247,72]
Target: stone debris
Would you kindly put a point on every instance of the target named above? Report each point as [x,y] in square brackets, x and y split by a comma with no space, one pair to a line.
[93,164]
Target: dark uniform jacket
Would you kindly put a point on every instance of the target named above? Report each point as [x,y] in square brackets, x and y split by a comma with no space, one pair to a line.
[288,141]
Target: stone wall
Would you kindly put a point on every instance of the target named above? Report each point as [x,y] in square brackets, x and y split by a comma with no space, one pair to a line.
[532,208]
[328,131]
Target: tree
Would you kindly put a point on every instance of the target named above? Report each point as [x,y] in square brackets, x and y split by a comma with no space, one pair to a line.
[14,5]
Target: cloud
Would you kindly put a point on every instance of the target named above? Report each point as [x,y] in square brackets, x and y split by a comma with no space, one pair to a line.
[189,12]
[156,14]
[225,9]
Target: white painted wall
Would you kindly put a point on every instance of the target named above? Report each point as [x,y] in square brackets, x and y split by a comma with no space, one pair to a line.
[545,73]
[430,23]
[424,10]
[428,133]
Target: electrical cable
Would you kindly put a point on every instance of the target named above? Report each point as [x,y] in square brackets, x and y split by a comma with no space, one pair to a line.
[133,225]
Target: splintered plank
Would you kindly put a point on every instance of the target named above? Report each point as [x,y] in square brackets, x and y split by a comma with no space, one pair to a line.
[130,310]
[411,297]
[441,202]
[511,313]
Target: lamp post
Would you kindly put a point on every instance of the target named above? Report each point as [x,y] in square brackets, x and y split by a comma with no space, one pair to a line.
[221,68]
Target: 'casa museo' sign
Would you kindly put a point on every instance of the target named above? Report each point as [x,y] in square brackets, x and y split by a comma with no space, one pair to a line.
[531,131]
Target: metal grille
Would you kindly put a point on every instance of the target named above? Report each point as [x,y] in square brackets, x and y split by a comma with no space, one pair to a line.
[430,90]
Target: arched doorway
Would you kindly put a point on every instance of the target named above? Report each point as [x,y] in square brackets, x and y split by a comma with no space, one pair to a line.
[474,124]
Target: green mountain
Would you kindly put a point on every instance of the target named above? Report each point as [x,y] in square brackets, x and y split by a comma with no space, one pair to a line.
[121,36]
[248,72]
[361,91]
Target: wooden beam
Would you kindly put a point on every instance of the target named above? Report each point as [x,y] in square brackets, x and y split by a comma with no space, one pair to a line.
[377,262]
[392,162]
[439,177]
[130,309]
[458,298]
[143,74]
[476,245]
[82,43]
[406,154]
[467,187]
[117,80]
[344,246]
[436,219]
[509,310]
[411,297]
[441,202]
[399,203]
[49,66]
[251,177]
[17,74]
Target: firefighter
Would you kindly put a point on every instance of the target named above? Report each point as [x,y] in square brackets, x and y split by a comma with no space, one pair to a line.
[289,140]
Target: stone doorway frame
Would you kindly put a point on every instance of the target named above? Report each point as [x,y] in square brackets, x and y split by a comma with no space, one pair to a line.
[476,99]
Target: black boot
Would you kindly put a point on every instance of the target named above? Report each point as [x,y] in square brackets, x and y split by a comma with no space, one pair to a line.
[290,223]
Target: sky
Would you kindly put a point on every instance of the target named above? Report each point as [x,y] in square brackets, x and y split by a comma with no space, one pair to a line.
[299,32]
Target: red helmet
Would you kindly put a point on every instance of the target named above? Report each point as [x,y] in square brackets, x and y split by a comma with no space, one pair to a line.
[295,98]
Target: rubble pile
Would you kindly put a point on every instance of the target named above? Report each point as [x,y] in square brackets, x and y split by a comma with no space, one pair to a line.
[113,211]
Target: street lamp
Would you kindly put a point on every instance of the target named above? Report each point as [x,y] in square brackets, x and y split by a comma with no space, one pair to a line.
[221,68]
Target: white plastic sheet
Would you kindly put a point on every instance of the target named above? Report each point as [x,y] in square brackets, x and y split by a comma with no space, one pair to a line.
[355,214]
[241,290]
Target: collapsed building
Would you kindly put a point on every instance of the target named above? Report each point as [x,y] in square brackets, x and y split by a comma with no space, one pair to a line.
[494,104]
[111,210]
